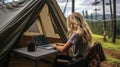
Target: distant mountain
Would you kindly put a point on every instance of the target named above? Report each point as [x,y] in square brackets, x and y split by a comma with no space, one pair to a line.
[107,16]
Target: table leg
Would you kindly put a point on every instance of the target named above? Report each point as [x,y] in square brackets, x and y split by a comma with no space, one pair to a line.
[37,63]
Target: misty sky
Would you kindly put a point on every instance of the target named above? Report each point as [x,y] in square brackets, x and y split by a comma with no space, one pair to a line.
[81,5]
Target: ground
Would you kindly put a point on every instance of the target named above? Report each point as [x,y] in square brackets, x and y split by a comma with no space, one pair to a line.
[113,53]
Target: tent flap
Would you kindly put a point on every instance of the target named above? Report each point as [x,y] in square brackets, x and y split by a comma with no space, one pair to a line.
[14,28]
[20,20]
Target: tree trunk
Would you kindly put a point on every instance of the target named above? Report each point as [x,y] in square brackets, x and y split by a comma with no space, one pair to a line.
[104,23]
[73,6]
[111,30]
[83,13]
[114,24]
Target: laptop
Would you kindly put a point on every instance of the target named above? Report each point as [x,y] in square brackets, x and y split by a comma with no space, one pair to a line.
[42,42]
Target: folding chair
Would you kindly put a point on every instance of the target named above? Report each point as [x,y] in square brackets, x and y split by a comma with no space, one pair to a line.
[95,56]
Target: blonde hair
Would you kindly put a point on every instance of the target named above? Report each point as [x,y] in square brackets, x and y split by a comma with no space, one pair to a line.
[77,24]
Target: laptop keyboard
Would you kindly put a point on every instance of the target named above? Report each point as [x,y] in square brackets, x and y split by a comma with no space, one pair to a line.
[46,46]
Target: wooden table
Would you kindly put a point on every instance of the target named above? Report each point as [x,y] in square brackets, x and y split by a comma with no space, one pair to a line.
[39,53]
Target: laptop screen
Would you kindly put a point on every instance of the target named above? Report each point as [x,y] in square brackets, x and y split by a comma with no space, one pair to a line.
[40,40]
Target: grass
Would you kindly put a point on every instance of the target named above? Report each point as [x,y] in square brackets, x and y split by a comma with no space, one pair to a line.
[112,59]
[108,45]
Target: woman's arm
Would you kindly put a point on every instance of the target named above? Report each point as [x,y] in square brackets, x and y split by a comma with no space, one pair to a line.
[62,47]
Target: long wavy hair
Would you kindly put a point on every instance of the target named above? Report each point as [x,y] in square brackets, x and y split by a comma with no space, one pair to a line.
[77,24]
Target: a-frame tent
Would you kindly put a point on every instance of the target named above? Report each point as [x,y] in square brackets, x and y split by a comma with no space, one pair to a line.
[14,24]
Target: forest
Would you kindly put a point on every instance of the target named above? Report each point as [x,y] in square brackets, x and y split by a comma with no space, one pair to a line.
[96,28]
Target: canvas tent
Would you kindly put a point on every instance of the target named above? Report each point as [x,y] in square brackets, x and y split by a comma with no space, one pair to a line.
[16,22]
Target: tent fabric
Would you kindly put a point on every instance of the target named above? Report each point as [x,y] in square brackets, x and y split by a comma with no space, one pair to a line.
[49,19]
[20,20]
[44,22]
[14,28]
[55,14]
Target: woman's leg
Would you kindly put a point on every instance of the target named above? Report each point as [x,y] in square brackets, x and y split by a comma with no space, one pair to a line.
[61,64]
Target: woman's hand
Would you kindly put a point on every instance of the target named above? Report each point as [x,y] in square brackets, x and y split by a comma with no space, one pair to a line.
[57,44]
[53,45]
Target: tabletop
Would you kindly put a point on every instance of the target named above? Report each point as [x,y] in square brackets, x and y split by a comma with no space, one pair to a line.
[37,54]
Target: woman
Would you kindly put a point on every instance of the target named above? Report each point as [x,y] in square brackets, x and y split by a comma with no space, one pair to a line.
[79,35]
